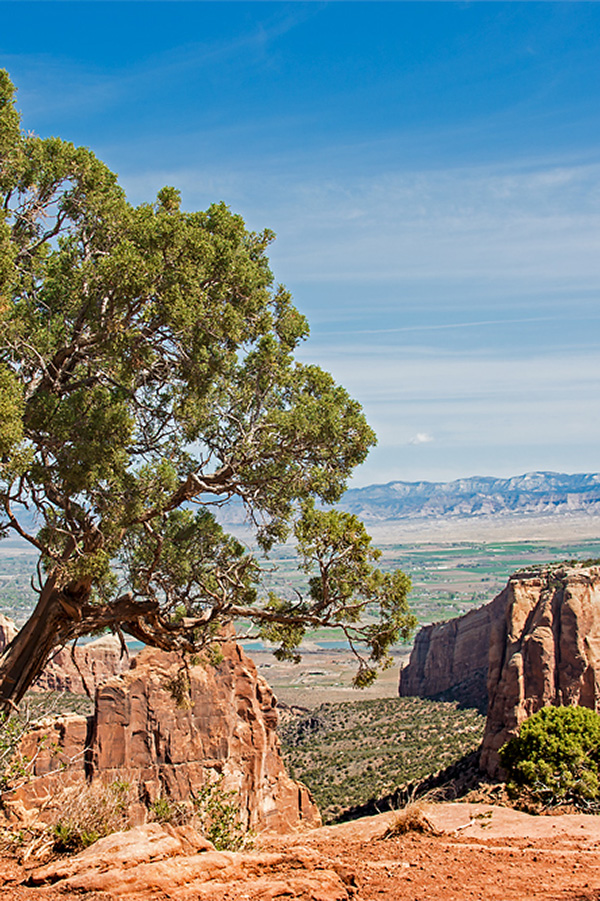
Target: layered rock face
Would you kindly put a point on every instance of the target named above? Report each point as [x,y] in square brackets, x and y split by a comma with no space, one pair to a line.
[94,663]
[452,658]
[170,738]
[537,643]
[80,671]
[545,650]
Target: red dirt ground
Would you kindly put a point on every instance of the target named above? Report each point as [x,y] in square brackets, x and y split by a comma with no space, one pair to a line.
[481,852]
[502,855]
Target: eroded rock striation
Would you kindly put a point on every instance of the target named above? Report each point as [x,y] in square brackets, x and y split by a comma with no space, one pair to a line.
[537,643]
[451,659]
[170,731]
[545,650]
[94,663]
[154,861]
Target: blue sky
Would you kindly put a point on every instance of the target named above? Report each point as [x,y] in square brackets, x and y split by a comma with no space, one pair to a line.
[432,172]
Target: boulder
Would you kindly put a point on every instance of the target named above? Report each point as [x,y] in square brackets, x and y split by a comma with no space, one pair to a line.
[153,861]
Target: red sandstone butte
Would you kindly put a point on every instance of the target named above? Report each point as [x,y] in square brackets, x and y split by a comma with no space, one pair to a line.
[545,650]
[537,644]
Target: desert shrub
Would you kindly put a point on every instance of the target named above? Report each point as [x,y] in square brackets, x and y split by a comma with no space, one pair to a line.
[411,818]
[177,813]
[214,810]
[37,706]
[219,817]
[556,757]
[83,814]
[12,764]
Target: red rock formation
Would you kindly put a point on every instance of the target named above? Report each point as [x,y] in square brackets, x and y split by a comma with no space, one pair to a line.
[95,663]
[154,861]
[538,640]
[451,658]
[8,630]
[545,650]
[226,727]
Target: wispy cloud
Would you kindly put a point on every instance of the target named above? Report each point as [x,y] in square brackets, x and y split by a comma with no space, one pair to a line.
[455,225]
[52,84]
[421,438]
[488,231]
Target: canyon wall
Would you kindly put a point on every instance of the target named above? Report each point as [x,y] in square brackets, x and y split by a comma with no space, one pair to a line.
[451,659]
[545,650]
[537,643]
[170,731]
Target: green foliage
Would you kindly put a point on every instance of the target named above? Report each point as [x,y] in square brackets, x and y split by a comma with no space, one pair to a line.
[178,687]
[71,838]
[214,654]
[15,767]
[12,764]
[147,368]
[556,756]
[344,586]
[11,411]
[219,814]
[165,811]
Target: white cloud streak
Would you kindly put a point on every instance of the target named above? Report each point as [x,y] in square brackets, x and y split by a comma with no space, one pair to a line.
[421,438]
[485,231]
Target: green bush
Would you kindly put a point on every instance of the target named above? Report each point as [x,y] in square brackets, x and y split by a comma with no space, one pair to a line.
[219,815]
[556,757]
[165,811]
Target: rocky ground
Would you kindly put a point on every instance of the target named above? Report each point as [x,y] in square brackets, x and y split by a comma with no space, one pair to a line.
[474,851]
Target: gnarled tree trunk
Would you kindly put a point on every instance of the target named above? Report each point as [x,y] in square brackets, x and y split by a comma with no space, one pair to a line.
[27,654]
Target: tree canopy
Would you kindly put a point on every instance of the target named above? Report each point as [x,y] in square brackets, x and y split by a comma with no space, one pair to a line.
[147,378]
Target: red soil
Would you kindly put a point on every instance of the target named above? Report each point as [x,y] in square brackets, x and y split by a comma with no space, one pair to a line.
[481,852]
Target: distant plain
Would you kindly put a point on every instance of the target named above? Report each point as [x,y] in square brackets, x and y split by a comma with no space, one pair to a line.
[455,563]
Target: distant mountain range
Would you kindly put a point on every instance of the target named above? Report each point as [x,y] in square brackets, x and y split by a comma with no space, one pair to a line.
[542,493]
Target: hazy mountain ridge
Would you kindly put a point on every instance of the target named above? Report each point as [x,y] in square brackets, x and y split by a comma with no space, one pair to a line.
[541,493]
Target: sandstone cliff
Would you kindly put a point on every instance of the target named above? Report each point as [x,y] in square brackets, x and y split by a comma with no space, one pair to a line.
[451,659]
[538,642]
[224,727]
[95,662]
[545,650]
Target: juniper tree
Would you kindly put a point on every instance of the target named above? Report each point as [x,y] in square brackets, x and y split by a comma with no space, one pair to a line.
[147,377]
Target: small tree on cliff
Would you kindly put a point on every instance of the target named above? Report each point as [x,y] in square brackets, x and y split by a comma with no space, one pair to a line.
[147,376]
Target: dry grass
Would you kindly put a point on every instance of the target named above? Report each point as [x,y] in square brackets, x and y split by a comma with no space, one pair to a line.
[74,817]
[84,813]
[411,819]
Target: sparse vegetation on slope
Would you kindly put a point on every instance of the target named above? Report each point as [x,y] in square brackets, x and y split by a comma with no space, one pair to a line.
[350,753]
